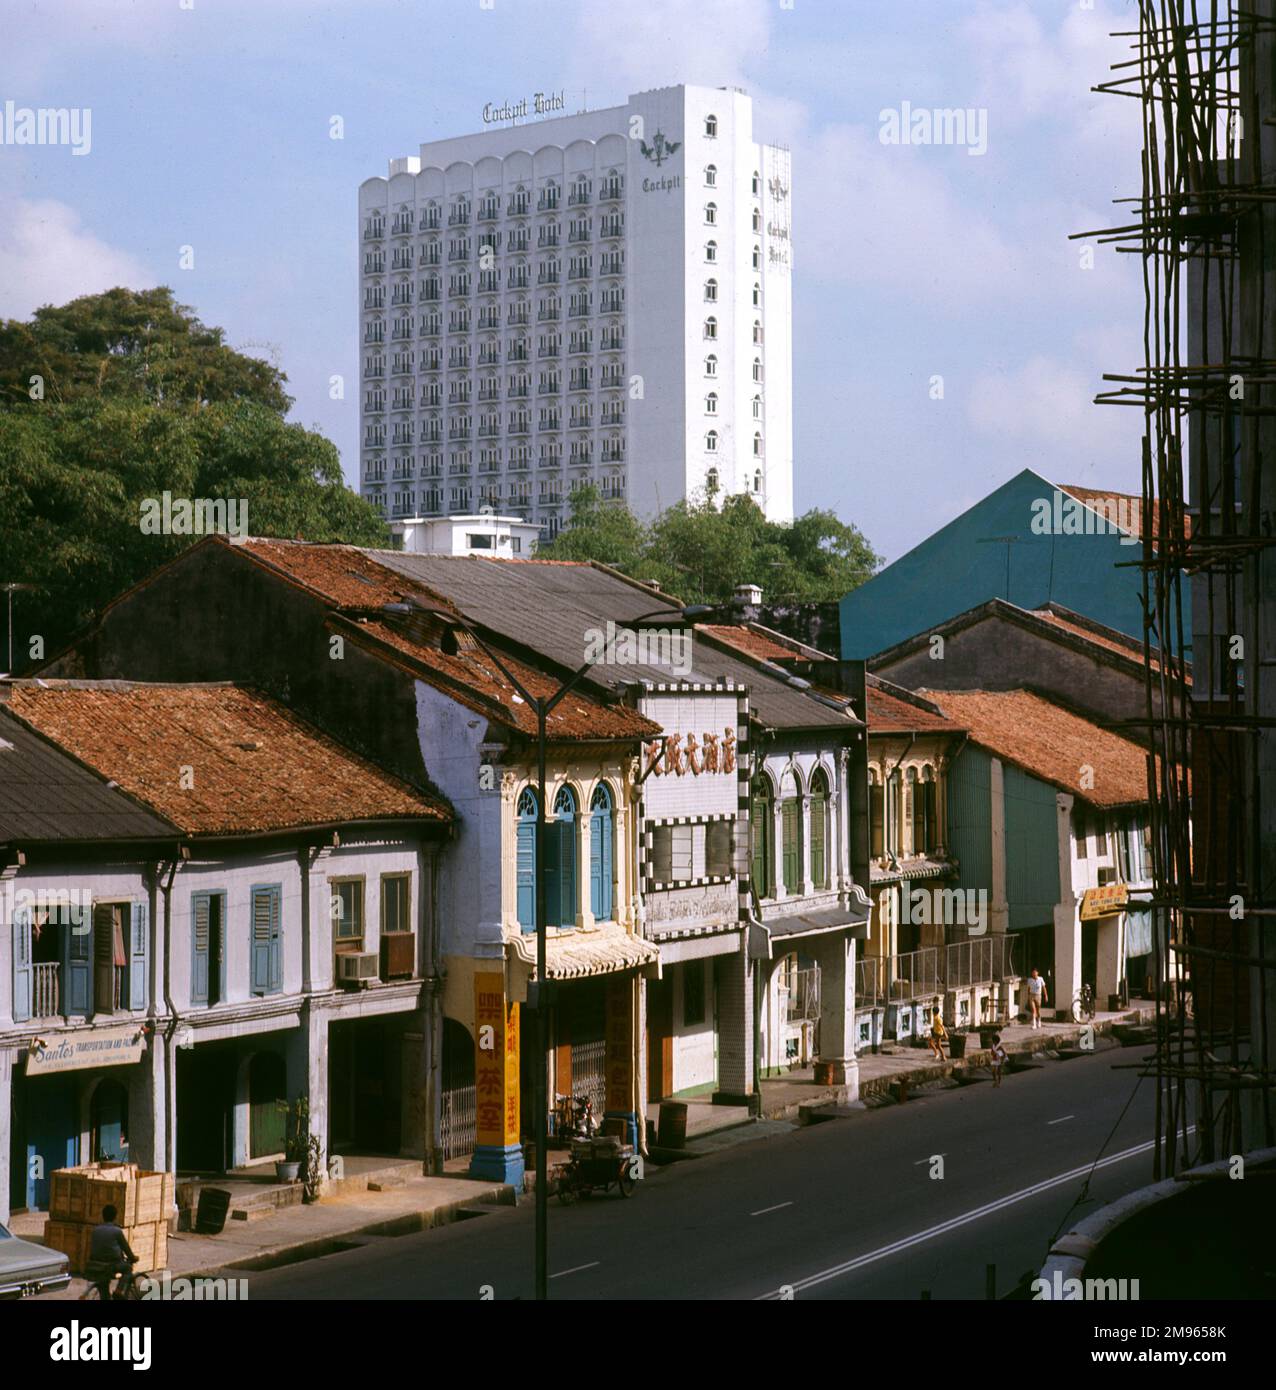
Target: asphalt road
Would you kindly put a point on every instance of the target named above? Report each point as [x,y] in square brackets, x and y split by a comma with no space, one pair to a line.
[851,1208]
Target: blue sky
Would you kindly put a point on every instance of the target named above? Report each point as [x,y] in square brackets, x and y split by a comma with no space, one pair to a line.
[210,129]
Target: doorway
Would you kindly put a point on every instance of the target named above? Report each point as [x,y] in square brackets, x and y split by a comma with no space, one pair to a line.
[267,1105]
[108,1124]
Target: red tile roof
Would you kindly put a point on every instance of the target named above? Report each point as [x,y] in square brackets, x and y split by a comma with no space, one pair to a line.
[888,714]
[471,677]
[344,575]
[253,765]
[1050,742]
[1120,504]
[745,639]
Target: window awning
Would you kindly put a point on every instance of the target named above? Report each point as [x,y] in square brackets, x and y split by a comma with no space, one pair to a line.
[581,952]
[768,938]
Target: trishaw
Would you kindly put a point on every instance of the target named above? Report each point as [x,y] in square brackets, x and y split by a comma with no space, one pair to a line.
[595,1164]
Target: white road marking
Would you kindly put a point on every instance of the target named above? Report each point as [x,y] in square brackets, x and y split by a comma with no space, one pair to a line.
[1061,1119]
[576,1269]
[944,1227]
[778,1207]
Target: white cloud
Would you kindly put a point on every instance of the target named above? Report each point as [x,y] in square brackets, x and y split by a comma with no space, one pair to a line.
[47,257]
[662,43]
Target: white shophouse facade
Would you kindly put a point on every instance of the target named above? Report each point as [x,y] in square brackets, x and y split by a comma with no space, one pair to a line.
[602,297]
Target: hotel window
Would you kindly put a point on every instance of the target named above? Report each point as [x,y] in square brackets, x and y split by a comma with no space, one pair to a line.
[711,176]
[711,214]
[757,332]
[711,291]
[757,480]
[757,369]
[711,251]
[710,127]
[711,484]
[711,441]
[757,258]
[757,407]
[757,220]
[757,446]
[711,328]
[711,365]
[757,296]
[757,183]
[711,403]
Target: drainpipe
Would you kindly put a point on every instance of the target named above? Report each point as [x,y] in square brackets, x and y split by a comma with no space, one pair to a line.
[433,1158]
[170,1033]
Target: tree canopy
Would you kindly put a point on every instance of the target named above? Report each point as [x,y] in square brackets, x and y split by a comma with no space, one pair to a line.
[701,550]
[143,400]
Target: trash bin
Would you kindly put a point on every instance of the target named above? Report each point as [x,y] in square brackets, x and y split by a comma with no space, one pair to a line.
[673,1124]
[210,1215]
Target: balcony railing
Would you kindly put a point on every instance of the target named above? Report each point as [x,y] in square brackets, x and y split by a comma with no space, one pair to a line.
[46,1000]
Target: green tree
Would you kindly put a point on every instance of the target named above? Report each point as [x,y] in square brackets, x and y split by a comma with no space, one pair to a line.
[136,343]
[701,550]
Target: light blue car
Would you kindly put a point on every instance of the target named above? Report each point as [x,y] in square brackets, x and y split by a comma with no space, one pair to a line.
[27,1269]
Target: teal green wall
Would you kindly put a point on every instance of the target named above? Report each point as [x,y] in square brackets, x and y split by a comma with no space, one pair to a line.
[1032,849]
[970,817]
[967,563]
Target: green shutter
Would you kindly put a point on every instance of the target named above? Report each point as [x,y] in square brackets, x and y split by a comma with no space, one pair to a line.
[819,839]
[760,826]
[791,827]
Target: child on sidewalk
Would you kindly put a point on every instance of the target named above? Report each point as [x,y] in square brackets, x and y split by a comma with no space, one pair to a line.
[937,1036]
[998,1060]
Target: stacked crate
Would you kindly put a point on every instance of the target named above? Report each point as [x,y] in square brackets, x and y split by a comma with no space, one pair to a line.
[142,1202]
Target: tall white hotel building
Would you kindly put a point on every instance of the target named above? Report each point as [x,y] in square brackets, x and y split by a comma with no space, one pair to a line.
[602,298]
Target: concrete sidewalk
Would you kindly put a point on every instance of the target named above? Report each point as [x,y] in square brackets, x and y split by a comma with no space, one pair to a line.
[295,1233]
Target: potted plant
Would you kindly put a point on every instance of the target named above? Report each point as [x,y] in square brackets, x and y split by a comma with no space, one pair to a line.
[297,1139]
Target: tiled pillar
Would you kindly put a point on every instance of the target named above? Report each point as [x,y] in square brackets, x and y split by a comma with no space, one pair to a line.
[498,1155]
[837,1064]
[735,1028]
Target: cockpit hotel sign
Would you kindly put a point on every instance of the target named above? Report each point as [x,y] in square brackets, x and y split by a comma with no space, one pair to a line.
[542,103]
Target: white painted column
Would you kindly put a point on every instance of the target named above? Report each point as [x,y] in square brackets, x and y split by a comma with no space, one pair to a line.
[1067,915]
[837,1064]
[804,848]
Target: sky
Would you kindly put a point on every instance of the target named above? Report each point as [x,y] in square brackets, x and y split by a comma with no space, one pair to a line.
[212,168]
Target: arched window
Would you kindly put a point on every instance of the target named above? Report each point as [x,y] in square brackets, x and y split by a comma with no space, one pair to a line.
[757,183]
[757,407]
[894,798]
[711,250]
[711,482]
[711,441]
[757,332]
[527,811]
[560,862]
[710,127]
[791,837]
[711,365]
[711,176]
[711,290]
[913,811]
[757,296]
[757,480]
[711,403]
[929,813]
[876,817]
[757,369]
[757,258]
[757,220]
[762,834]
[820,837]
[711,214]
[757,446]
[711,328]
[600,855]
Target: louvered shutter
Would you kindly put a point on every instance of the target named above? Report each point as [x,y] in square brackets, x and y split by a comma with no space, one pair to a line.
[199,948]
[527,875]
[819,836]
[262,916]
[22,974]
[139,956]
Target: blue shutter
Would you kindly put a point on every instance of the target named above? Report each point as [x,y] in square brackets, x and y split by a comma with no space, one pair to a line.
[276,943]
[138,957]
[596,838]
[260,931]
[78,947]
[567,874]
[21,966]
[199,947]
[527,875]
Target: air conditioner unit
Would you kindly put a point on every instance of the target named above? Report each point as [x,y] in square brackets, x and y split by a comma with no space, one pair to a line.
[398,955]
[357,967]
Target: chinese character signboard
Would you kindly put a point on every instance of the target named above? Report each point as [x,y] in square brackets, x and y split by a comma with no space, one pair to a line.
[1101,902]
[496,1066]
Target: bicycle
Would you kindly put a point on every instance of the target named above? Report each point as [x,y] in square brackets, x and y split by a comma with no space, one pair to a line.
[1083,1005]
[126,1291]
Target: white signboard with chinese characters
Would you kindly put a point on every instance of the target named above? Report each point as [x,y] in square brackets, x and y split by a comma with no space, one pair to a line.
[692,769]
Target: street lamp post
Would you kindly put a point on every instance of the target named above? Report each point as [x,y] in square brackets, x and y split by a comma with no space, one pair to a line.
[543,707]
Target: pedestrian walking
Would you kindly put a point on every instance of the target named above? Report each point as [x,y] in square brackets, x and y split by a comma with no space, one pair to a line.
[997,1060]
[1037,995]
[937,1036]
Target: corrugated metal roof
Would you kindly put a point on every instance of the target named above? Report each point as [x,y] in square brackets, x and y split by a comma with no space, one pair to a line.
[45,796]
[550,607]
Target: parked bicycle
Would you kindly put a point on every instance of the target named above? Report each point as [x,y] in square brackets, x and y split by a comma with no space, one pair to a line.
[1083,1005]
[574,1117]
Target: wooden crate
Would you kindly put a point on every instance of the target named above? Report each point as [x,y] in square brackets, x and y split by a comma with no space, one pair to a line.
[152,1197]
[76,1193]
[149,1242]
[72,1239]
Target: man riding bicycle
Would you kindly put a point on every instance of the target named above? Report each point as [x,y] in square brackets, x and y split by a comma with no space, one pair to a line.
[109,1255]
